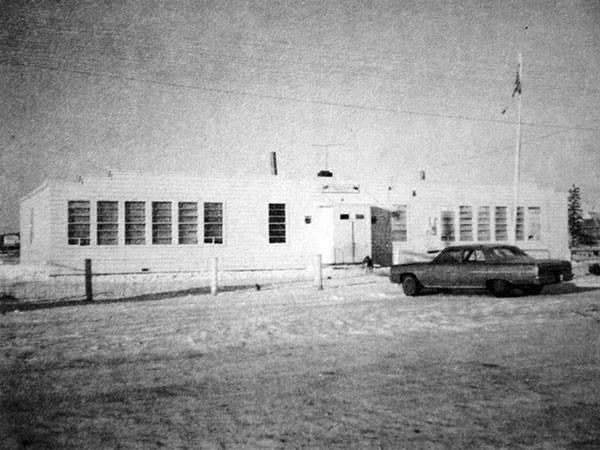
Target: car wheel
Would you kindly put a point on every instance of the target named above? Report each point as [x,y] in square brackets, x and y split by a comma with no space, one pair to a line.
[532,289]
[500,288]
[410,285]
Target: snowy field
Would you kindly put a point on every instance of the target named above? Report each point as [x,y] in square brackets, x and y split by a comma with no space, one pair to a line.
[357,365]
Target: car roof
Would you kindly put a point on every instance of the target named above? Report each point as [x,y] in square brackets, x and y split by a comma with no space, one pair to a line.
[476,246]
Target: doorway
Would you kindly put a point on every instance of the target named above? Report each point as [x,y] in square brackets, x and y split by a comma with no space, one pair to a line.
[352,233]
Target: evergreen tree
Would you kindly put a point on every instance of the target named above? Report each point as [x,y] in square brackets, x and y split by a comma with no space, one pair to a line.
[575,216]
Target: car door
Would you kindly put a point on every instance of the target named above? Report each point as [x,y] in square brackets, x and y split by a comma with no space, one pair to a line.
[442,272]
[473,270]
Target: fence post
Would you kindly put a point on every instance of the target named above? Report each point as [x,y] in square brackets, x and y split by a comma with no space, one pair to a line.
[88,280]
[318,273]
[214,276]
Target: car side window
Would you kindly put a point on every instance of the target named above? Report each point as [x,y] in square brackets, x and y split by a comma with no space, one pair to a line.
[474,256]
[448,257]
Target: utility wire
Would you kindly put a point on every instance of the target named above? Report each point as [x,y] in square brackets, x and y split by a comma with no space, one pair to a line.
[284,98]
[336,61]
[479,155]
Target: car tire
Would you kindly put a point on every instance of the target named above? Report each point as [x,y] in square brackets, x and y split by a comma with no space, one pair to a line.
[533,289]
[411,286]
[500,288]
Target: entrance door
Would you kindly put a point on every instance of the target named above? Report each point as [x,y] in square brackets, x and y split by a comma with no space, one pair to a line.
[351,234]
[381,236]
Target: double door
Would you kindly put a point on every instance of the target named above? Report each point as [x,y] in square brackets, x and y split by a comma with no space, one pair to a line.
[352,234]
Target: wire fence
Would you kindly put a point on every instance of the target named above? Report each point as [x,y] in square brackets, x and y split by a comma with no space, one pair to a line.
[30,286]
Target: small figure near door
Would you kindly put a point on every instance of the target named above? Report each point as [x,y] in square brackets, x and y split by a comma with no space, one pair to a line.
[368,264]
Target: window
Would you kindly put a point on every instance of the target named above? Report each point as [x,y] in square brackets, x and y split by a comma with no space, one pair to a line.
[399,223]
[484,232]
[188,222]
[277,223]
[161,223]
[449,256]
[466,223]
[79,223]
[501,229]
[520,224]
[534,228]
[213,223]
[433,226]
[448,226]
[474,256]
[135,223]
[107,232]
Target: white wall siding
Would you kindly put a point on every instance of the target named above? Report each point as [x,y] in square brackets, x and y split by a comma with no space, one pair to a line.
[35,226]
[246,220]
[431,200]
[246,226]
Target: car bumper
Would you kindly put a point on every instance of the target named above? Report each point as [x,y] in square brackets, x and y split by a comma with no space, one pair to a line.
[553,278]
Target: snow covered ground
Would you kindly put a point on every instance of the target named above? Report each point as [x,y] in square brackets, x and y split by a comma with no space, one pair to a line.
[30,283]
[356,365]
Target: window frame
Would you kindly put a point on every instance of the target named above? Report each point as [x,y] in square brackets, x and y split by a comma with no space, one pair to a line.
[520,224]
[448,223]
[534,226]
[275,235]
[465,223]
[219,225]
[187,224]
[107,227]
[135,230]
[399,223]
[484,223]
[162,222]
[501,227]
[79,232]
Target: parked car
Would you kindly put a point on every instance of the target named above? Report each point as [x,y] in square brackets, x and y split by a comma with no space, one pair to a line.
[498,268]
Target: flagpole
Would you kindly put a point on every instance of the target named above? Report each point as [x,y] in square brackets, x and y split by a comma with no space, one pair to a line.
[517,153]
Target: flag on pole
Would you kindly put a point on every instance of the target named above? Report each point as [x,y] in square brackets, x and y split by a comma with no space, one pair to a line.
[517,89]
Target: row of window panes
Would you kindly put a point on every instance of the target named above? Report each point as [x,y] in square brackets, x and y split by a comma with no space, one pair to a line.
[484,225]
[107,227]
[107,224]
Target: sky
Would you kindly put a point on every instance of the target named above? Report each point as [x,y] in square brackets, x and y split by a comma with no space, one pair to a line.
[372,89]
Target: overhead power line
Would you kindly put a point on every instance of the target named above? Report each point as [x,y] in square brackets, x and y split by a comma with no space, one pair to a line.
[504,150]
[285,98]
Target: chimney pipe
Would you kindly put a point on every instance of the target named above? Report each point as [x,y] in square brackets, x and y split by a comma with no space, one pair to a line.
[273,163]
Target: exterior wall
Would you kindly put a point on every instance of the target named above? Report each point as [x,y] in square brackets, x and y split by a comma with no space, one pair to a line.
[246,228]
[425,206]
[35,226]
[314,223]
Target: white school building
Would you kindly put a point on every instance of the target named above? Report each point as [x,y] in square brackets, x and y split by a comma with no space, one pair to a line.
[132,222]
